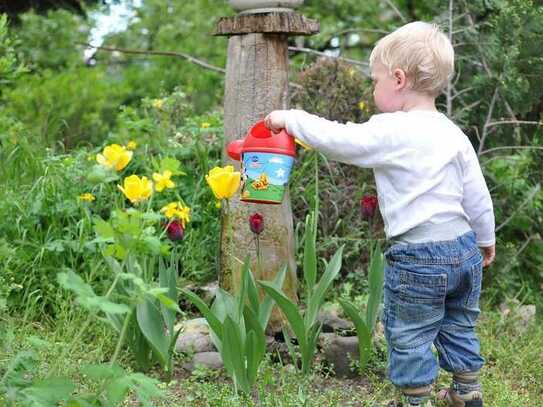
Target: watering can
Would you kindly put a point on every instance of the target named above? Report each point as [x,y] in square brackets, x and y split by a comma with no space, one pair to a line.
[266,163]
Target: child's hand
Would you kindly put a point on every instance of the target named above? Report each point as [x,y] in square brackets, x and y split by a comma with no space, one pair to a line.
[489,254]
[275,121]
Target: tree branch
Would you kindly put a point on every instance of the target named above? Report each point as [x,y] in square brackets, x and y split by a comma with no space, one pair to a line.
[188,57]
[488,118]
[490,150]
[398,12]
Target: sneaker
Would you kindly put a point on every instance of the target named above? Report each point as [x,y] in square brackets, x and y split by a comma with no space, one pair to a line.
[471,399]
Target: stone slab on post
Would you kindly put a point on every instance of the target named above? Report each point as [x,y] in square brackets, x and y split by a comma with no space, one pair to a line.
[257,83]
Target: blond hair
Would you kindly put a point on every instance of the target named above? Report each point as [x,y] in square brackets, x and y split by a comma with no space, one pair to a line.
[422,51]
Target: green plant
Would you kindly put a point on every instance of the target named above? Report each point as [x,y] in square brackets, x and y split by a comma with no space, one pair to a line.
[238,324]
[22,386]
[307,328]
[365,326]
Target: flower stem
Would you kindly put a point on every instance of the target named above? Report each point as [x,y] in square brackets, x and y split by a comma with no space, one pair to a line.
[120,342]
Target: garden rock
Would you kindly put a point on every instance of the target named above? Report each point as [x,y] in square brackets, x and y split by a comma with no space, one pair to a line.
[340,352]
[196,325]
[194,342]
[331,322]
[208,360]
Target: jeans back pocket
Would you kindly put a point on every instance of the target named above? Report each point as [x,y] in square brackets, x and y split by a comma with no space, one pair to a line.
[422,296]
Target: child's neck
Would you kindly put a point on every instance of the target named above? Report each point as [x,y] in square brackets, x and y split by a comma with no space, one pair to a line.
[419,101]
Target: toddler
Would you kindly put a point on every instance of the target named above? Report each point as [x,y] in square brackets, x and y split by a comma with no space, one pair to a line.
[436,208]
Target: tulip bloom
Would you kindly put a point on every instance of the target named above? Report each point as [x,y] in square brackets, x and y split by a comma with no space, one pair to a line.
[114,156]
[136,189]
[177,210]
[175,230]
[163,180]
[368,204]
[256,223]
[224,181]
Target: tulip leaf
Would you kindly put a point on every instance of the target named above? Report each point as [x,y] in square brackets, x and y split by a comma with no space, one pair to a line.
[250,286]
[214,323]
[267,304]
[317,298]
[233,355]
[362,331]
[310,256]
[290,310]
[151,324]
[376,277]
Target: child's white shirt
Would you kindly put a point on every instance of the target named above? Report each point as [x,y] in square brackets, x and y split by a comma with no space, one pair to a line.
[425,167]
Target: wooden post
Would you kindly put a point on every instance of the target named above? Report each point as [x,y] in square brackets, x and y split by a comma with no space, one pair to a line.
[256,84]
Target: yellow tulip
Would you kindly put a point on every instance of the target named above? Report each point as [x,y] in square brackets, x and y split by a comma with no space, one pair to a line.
[177,210]
[131,145]
[158,103]
[136,189]
[362,105]
[87,197]
[205,125]
[115,156]
[163,180]
[224,181]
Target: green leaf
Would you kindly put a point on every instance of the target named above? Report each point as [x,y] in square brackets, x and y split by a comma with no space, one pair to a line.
[317,298]
[376,276]
[151,325]
[172,164]
[362,331]
[233,353]
[103,229]
[103,371]
[267,304]
[310,256]
[255,346]
[214,323]
[250,287]
[49,392]
[289,309]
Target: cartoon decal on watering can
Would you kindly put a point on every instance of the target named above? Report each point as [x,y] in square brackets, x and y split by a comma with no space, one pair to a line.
[266,163]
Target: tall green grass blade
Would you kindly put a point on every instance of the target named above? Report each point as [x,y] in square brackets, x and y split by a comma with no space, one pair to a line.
[362,331]
[376,278]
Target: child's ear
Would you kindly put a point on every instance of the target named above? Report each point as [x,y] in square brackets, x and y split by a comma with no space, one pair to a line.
[400,78]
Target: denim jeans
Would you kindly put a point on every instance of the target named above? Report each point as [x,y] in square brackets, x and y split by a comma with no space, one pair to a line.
[432,297]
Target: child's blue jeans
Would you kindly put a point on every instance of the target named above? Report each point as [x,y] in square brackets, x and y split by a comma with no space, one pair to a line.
[432,297]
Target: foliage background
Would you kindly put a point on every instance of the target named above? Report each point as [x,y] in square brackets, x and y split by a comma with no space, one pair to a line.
[57,109]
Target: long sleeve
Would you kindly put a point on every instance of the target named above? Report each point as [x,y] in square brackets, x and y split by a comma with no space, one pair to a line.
[363,145]
[477,202]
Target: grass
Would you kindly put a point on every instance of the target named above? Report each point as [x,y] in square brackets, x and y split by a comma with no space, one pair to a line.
[512,375]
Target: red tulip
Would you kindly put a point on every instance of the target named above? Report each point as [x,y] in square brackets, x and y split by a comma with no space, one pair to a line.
[368,204]
[256,223]
[175,230]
